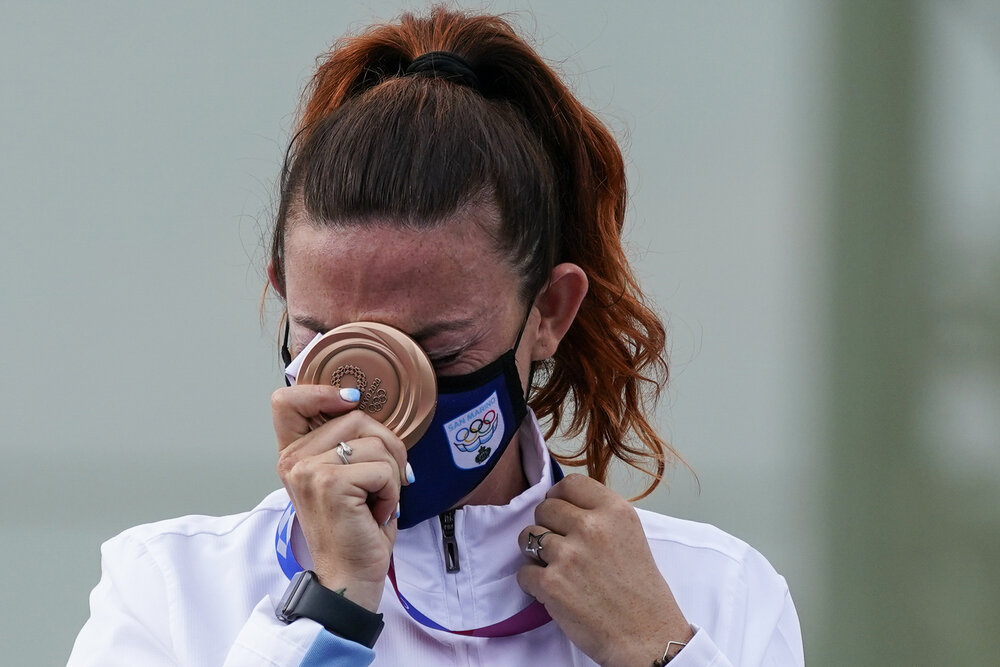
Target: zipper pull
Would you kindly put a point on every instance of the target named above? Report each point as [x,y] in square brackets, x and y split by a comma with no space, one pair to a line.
[448,538]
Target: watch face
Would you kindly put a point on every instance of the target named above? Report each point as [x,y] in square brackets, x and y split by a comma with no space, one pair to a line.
[393,374]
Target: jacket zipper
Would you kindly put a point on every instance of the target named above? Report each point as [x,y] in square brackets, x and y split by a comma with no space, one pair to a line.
[450,544]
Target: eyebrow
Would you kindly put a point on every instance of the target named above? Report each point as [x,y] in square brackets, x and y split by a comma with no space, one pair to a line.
[311,323]
[445,326]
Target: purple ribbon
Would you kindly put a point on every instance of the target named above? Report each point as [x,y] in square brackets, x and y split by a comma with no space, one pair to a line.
[531,617]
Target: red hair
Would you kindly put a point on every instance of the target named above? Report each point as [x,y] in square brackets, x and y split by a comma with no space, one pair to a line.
[370,143]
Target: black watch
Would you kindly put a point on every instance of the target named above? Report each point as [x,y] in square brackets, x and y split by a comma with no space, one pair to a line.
[307,598]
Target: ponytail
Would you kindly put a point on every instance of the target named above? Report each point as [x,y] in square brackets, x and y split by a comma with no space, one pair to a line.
[555,173]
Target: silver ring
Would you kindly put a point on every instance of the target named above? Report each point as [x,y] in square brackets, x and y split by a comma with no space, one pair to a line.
[534,545]
[343,451]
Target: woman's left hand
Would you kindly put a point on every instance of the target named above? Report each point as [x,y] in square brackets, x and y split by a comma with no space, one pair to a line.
[597,577]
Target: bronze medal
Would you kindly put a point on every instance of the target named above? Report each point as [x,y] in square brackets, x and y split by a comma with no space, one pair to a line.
[393,374]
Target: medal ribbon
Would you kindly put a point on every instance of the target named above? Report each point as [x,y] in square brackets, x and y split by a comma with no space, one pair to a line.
[531,617]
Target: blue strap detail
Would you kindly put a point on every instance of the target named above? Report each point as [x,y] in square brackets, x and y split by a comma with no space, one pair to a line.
[283,544]
[329,650]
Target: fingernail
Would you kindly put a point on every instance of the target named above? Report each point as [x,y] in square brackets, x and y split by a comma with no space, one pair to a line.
[350,394]
[391,516]
[410,479]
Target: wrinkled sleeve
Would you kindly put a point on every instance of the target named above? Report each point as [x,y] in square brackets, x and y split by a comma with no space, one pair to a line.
[131,624]
[129,620]
[783,648]
[764,630]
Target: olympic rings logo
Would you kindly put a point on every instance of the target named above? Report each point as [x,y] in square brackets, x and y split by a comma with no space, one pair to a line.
[477,433]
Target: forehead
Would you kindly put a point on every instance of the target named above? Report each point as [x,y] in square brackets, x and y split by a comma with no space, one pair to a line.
[395,274]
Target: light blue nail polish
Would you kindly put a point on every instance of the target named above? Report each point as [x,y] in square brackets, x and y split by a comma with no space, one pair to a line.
[350,394]
[397,510]
[409,473]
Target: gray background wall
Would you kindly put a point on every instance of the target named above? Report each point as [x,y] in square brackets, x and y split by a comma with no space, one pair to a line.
[814,208]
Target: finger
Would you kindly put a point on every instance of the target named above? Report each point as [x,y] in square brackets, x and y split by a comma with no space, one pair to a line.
[369,449]
[581,491]
[378,477]
[353,426]
[363,449]
[529,578]
[293,408]
[318,478]
[559,515]
[386,500]
[357,424]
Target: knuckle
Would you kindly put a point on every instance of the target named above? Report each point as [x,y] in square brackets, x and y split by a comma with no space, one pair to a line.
[300,471]
[279,399]
[354,420]
[570,557]
[296,472]
[373,441]
[625,514]
[286,462]
[387,474]
[305,473]
[590,526]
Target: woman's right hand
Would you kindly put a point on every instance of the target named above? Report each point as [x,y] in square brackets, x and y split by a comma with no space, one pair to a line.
[347,512]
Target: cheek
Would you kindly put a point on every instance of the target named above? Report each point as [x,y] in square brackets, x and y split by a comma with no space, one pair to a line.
[298,338]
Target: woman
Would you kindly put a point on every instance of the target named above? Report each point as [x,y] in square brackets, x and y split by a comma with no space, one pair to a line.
[443,181]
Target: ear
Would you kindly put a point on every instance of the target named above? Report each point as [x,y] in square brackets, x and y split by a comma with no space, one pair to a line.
[557,304]
[276,283]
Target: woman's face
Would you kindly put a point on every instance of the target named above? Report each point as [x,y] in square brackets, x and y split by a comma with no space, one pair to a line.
[446,286]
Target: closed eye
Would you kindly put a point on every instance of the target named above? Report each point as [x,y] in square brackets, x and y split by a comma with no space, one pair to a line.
[445,359]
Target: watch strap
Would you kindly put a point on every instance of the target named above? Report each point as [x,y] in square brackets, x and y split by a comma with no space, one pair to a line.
[307,598]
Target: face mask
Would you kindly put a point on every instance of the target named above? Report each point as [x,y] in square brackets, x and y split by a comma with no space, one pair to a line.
[475,420]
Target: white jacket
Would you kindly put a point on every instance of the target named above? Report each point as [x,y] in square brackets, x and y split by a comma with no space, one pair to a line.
[201,591]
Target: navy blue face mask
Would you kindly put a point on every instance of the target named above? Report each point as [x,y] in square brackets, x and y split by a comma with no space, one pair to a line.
[476,418]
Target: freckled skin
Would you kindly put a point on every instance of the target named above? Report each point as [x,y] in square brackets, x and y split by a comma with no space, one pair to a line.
[412,279]
[406,278]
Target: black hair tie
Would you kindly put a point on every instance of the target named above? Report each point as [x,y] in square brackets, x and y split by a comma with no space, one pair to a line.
[444,65]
